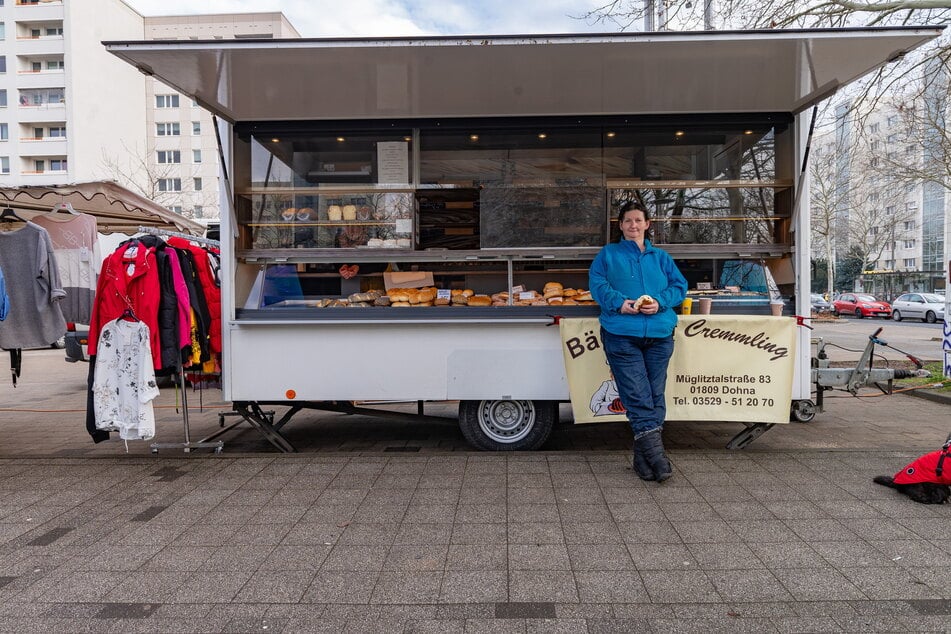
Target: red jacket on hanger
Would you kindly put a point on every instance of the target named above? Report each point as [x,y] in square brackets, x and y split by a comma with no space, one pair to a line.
[128,279]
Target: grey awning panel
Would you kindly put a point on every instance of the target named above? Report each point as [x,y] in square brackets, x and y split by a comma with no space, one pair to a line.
[654,73]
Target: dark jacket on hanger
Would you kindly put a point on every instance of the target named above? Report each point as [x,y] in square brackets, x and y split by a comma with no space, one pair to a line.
[197,297]
[168,306]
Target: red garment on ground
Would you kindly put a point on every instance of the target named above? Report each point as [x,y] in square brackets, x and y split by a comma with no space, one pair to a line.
[128,283]
[924,469]
[209,288]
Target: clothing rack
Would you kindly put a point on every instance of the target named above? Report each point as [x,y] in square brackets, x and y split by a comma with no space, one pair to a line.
[188,445]
[178,234]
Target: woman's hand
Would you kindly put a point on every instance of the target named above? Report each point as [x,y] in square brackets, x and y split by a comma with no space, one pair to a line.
[349,271]
[629,307]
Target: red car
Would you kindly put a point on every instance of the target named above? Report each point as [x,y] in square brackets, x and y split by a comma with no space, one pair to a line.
[860,305]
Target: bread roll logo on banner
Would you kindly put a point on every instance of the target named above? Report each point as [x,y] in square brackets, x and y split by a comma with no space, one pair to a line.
[724,368]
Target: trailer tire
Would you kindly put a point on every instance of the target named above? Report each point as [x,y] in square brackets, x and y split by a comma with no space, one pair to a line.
[507,425]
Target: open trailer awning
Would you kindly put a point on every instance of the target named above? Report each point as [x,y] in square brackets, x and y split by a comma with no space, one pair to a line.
[117,209]
[521,75]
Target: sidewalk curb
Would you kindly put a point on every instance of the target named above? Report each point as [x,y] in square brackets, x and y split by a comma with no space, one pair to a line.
[931,396]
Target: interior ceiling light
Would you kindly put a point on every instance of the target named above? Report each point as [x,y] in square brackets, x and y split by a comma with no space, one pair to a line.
[473,137]
[275,140]
[542,135]
[611,135]
[747,132]
[679,133]
[340,139]
[407,138]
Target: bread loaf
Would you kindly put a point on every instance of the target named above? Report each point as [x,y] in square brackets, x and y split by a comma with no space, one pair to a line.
[441,301]
[400,304]
[584,296]
[468,292]
[349,212]
[334,213]
[382,301]
[480,300]
[460,300]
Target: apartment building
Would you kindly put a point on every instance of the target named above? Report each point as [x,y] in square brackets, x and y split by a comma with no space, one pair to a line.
[875,203]
[71,112]
[182,149]
[65,103]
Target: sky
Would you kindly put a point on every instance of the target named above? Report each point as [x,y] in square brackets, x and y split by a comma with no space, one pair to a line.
[382,18]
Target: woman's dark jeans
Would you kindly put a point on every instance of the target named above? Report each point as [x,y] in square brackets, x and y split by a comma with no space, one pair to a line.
[639,365]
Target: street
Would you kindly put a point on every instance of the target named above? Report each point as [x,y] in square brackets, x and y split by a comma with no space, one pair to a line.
[846,337]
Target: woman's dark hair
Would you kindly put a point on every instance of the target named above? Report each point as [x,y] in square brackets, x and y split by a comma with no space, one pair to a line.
[627,206]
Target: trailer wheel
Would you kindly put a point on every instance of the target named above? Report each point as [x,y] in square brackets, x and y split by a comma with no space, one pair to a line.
[507,425]
[804,411]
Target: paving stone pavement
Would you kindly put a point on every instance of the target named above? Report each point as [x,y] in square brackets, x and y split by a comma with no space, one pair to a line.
[376,526]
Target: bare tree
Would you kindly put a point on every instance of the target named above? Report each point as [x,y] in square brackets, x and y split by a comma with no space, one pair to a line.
[164,183]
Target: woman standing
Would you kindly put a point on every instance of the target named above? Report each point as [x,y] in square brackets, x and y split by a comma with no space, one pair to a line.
[638,286]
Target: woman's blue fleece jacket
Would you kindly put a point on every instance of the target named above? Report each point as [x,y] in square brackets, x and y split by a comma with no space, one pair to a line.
[621,271]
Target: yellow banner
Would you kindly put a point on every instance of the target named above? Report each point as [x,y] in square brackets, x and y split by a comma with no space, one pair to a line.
[736,368]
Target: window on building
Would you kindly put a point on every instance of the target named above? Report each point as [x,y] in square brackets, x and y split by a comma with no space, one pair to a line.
[35,33]
[196,156]
[168,129]
[36,66]
[39,166]
[912,206]
[166,101]
[58,131]
[890,210]
[3,31]
[194,103]
[53,31]
[873,231]
[3,63]
[873,162]
[891,138]
[889,264]
[892,120]
[3,98]
[177,209]
[875,145]
[198,211]
[4,132]
[197,184]
[909,244]
[892,155]
[55,64]
[196,128]
[170,185]
[57,165]
[873,128]
[166,157]
[37,133]
[909,262]
[873,197]
[4,164]
[909,225]
[909,149]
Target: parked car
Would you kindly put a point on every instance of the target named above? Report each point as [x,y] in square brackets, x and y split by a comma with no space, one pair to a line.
[928,307]
[860,305]
[819,303]
[77,340]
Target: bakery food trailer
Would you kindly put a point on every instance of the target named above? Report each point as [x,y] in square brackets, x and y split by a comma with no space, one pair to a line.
[393,209]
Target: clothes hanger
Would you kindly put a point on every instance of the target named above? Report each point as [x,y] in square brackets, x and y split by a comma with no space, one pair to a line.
[64,206]
[8,215]
[128,313]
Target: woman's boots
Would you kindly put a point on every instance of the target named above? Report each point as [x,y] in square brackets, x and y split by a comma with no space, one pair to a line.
[649,449]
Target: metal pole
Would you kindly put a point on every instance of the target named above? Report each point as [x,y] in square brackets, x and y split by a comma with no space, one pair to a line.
[648,15]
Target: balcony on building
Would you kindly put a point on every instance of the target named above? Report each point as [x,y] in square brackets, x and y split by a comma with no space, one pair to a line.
[40,71]
[53,166]
[40,37]
[43,140]
[39,10]
[41,105]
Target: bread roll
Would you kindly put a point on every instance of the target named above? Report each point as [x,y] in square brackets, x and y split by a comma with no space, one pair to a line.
[460,300]
[441,301]
[644,300]
[468,292]
[553,286]
[382,301]
[426,295]
[569,292]
[480,300]
[400,304]
[569,302]
[398,295]
[551,293]
[584,297]
[555,300]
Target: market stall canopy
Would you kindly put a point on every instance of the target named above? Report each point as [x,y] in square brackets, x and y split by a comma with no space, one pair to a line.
[520,75]
[117,210]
